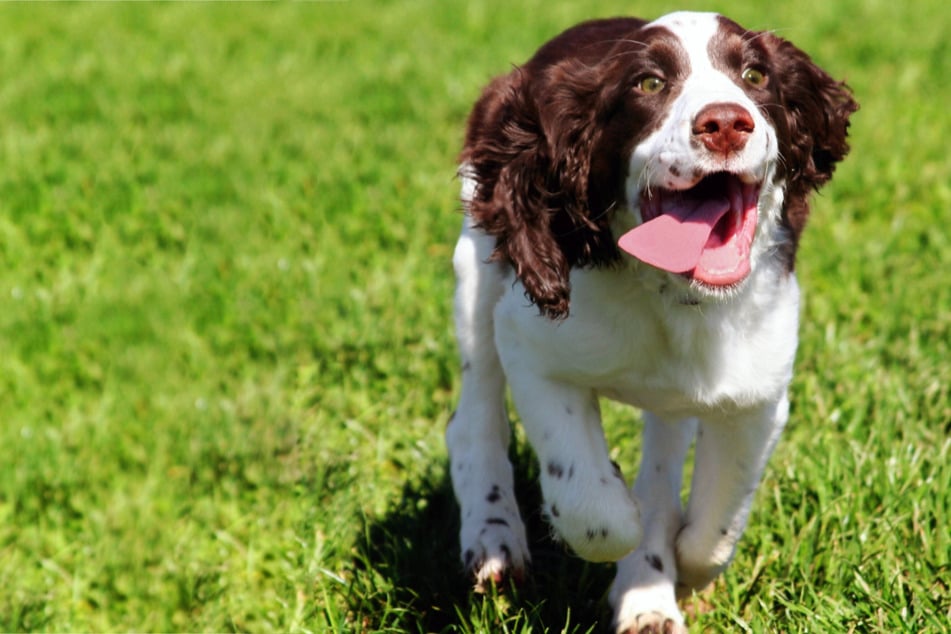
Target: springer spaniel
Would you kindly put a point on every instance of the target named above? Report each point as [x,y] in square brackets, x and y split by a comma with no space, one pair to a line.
[644,186]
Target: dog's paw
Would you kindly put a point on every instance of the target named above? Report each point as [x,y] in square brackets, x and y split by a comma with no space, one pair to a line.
[653,623]
[645,603]
[595,514]
[702,555]
[495,551]
[492,540]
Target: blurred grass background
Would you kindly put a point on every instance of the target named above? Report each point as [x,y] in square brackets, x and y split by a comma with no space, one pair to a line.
[227,360]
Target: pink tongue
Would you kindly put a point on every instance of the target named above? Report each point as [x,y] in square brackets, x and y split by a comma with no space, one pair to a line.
[675,240]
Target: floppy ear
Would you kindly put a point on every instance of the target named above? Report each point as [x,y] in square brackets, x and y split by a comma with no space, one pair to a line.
[529,145]
[816,109]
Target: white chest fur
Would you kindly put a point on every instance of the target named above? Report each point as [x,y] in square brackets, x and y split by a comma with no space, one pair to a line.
[631,339]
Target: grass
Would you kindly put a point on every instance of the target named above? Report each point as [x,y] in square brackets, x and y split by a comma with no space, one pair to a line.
[227,359]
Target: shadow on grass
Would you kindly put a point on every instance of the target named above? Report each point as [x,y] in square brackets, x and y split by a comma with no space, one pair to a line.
[408,576]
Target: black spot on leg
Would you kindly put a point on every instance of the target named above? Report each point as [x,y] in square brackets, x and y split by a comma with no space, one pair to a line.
[604,481]
[592,533]
[658,467]
[507,553]
[466,366]
[724,531]
[494,495]
[617,470]
[555,470]
[569,411]
[655,562]
[497,520]
[554,511]
[571,470]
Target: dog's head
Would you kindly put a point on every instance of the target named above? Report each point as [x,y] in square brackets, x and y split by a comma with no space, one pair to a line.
[689,142]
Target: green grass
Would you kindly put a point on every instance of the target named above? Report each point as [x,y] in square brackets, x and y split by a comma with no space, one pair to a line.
[226,359]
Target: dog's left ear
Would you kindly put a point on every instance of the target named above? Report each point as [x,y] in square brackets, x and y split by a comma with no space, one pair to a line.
[817,110]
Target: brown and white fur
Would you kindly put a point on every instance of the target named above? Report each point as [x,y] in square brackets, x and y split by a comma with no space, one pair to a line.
[559,157]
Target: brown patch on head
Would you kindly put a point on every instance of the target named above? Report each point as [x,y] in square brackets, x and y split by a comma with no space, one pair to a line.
[633,115]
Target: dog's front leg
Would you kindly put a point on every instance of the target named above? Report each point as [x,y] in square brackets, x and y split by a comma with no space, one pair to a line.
[586,499]
[643,594]
[491,534]
[729,461]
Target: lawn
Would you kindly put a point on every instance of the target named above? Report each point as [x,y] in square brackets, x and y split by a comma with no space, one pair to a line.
[227,358]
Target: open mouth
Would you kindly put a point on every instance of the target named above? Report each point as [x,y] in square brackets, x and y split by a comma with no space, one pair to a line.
[704,232]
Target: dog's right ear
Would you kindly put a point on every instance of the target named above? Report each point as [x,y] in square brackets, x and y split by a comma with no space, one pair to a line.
[529,146]
[513,199]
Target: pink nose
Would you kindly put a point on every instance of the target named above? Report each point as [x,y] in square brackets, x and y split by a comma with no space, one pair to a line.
[723,128]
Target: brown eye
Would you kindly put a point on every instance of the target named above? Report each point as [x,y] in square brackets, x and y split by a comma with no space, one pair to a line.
[754,77]
[651,85]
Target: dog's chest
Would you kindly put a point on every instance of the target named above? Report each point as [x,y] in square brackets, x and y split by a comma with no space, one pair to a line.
[673,359]
[678,379]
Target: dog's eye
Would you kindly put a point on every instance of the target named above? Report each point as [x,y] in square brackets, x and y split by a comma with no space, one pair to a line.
[753,77]
[651,85]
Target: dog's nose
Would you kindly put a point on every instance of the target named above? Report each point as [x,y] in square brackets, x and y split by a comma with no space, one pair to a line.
[723,128]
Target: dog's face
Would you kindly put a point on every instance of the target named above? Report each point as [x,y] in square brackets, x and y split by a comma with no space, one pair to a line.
[702,183]
[709,91]
[690,143]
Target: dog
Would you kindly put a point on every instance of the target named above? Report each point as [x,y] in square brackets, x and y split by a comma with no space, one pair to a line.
[634,196]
